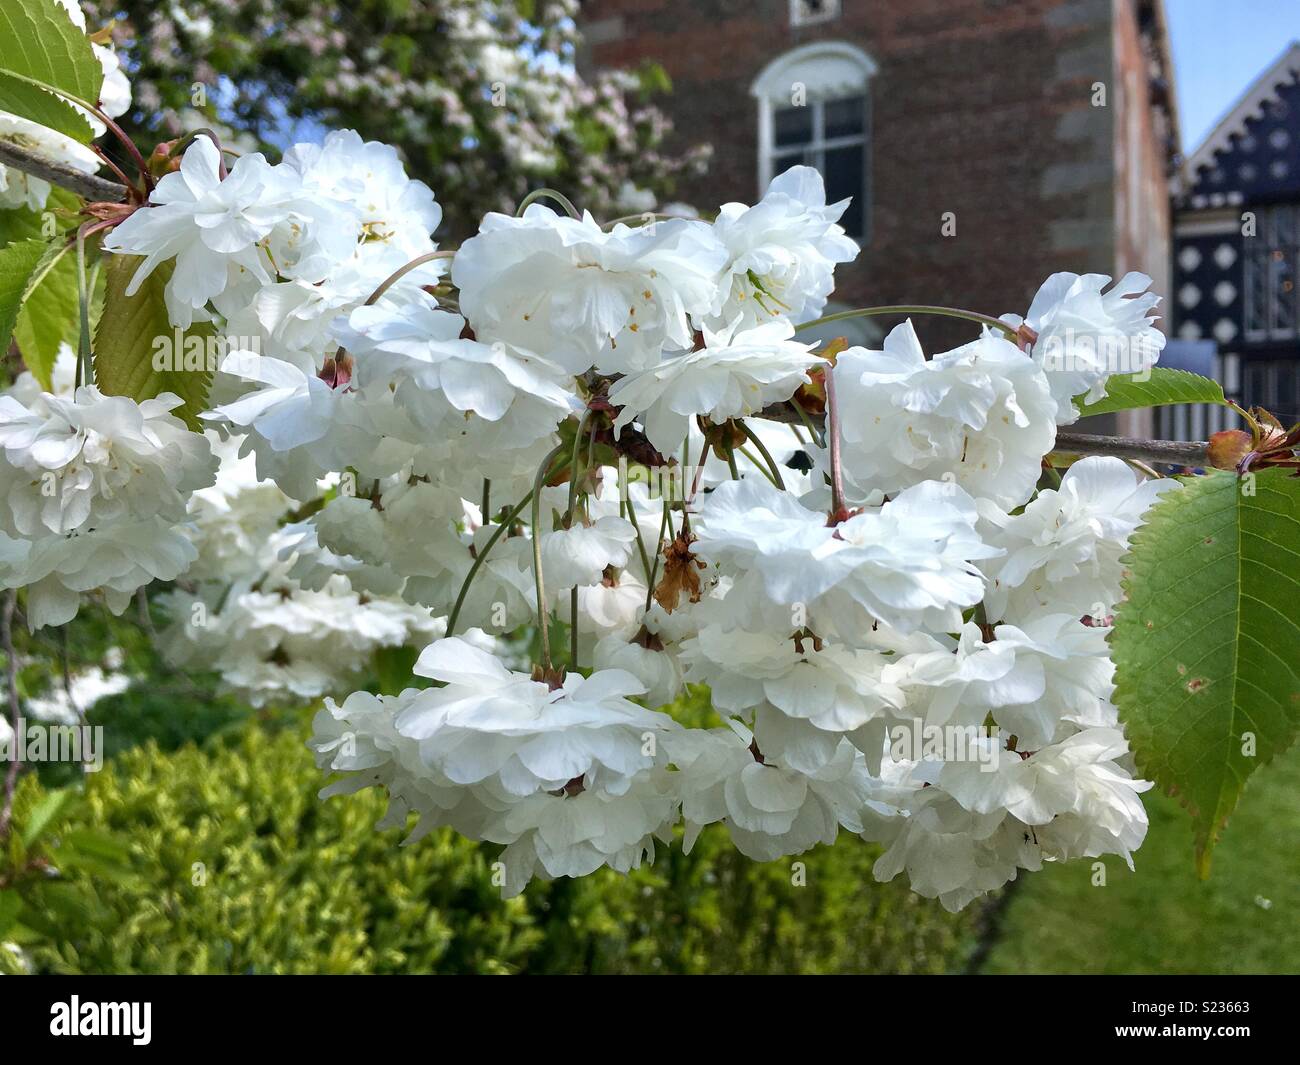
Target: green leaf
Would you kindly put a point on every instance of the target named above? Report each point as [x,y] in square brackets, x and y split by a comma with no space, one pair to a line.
[50,311]
[96,853]
[10,907]
[132,329]
[43,814]
[1158,387]
[42,56]
[1207,645]
[59,216]
[54,905]
[99,844]
[17,262]
[394,667]
[44,108]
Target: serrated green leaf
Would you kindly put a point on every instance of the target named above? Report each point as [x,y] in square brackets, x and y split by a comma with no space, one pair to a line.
[1158,387]
[1207,645]
[133,328]
[50,311]
[42,52]
[17,262]
[42,107]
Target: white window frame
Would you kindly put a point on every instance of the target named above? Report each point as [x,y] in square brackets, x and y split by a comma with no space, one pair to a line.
[798,18]
[819,145]
[825,71]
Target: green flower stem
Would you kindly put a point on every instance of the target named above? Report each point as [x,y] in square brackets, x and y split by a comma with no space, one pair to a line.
[627,508]
[402,271]
[543,615]
[758,465]
[574,474]
[731,464]
[481,558]
[511,517]
[808,424]
[915,308]
[776,477]
[549,194]
[85,371]
[664,524]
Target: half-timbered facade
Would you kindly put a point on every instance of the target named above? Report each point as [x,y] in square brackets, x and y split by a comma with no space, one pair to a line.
[1235,248]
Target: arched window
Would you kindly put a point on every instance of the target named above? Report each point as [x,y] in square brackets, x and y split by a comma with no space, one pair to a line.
[814,107]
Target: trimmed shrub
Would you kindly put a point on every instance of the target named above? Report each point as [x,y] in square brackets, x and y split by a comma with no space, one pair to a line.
[235,866]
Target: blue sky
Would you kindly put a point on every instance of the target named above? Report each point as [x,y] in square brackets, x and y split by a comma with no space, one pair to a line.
[1220,47]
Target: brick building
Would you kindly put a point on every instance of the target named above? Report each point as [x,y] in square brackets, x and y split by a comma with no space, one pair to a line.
[1044,130]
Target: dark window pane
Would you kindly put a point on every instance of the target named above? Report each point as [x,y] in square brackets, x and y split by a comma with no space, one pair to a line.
[1284,227]
[815,10]
[1288,406]
[844,118]
[793,125]
[1256,390]
[782,163]
[1257,270]
[844,177]
[1282,292]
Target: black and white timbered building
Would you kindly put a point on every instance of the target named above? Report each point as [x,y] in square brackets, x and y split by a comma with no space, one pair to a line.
[1235,298]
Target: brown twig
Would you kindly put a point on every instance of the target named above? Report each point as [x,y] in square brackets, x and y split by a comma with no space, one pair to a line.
[90,186]
[1172,452]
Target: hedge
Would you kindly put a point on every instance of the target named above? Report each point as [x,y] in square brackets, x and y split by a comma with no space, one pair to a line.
[222,859]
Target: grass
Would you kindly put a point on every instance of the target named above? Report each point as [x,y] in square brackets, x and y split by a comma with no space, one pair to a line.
[1161,918]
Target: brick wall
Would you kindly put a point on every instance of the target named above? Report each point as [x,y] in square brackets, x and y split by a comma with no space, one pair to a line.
[1143,220]
[980,107]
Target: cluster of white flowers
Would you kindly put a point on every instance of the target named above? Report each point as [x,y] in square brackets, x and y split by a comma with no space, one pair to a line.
[608,432]
[93,489]
[265,607]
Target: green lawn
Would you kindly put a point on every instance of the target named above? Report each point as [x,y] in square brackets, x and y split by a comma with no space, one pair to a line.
[1161,919]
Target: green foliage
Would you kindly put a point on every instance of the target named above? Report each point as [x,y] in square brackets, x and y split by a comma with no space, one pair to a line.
[30,101]
[483,101]
[43,54]
[1207,647]
[236,866]
[17,262]
[128,335]
[1160,918]
[50,310]
[162,705]
[1158,387]
[48,315]
[50,881]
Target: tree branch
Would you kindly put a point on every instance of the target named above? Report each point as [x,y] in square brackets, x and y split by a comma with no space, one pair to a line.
[93,188]
[1173,452]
